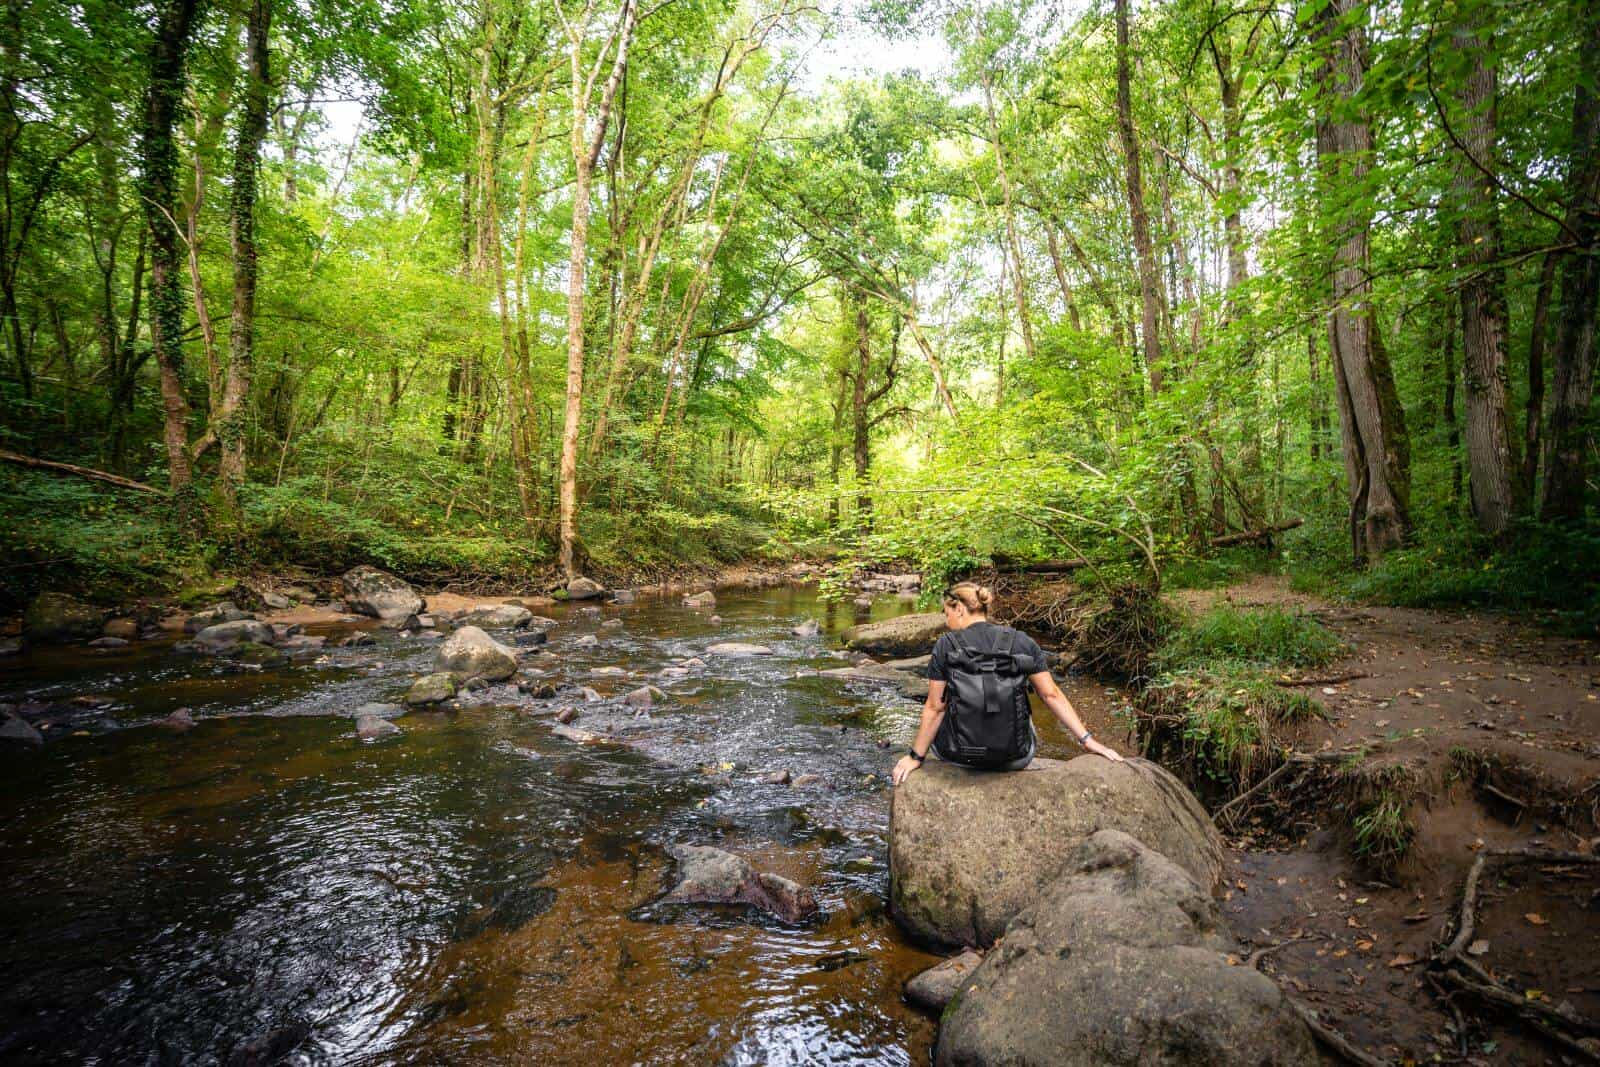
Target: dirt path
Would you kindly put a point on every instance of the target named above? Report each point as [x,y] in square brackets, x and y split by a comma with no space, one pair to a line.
[1428,681]
[1503,724]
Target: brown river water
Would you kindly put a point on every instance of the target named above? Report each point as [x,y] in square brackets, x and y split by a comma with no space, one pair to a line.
[477,890]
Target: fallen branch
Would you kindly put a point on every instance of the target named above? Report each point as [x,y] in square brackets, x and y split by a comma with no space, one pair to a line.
[1331,679]
[1252,536]
[82,472]
[1006,565]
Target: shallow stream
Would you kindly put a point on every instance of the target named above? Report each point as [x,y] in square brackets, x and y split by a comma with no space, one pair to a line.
[477,890]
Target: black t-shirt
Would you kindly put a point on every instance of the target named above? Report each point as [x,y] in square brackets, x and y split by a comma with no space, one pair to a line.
[985,637]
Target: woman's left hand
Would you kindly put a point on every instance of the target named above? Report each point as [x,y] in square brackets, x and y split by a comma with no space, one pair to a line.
[1098,749]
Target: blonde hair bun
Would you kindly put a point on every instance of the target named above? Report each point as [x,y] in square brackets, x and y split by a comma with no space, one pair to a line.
[972,596]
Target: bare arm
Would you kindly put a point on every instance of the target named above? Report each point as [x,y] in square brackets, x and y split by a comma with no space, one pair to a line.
[932,716]
[1044,684]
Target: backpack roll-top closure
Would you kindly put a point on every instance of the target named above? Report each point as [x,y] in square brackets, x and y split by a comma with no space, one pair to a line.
[988,665]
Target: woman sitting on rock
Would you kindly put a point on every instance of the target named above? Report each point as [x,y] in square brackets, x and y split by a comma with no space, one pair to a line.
[985,669]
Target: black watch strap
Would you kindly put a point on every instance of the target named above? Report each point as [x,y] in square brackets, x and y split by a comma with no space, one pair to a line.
[913,754]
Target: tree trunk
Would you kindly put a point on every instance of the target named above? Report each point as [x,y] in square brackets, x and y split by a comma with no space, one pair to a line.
[1377,461]
[861,439]
[1144,249]
[1562,494]
[1483,304]
[175,26]
[1019,279]
[1061,279]
[246,172]
[585,152]
[1453,426]
[1538,337]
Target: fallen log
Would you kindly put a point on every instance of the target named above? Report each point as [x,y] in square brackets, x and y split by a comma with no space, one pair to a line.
[1253,536]
[1008,565]
[82,472]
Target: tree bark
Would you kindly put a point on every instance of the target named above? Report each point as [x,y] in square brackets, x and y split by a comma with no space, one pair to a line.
[585,151]
[175,25]
[1144,249]
[861,437]
[1538,337]
[1019,278]
[1562,493]
[1483,304]
[1377,461]
[246,175]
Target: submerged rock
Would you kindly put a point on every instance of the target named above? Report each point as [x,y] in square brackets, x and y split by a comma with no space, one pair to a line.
[10,646]
[181,720]
[54,618]
[379,711]
[969,850]
[274,600]
[704,599]
[566,715]
[1122,962]
[584,589]
[431,689]
[712,876]
[623,596]
[495,616]
[371,727]
[938,985]
[572,733]
[808,628]
[738,648]
[471,653]
[358,640]
[586,641]
[369,591]
[906,635]
[109,642]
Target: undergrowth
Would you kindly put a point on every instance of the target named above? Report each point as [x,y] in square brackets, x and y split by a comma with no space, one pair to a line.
[1267,638]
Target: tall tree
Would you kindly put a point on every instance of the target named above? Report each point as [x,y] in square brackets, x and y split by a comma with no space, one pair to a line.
[1483,304]
[588,136]
[169,47]
[1376,451]
[1150,301]
[246,175]
[1564,485]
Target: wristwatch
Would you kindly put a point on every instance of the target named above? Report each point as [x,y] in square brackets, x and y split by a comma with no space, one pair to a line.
[913,754]
[1085,738]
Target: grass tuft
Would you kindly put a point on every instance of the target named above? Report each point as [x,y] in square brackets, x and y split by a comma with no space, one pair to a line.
[1266,638]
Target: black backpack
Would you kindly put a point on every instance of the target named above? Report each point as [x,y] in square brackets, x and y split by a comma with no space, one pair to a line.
[987,721]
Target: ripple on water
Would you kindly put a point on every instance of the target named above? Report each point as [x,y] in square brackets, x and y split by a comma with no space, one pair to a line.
[476,889]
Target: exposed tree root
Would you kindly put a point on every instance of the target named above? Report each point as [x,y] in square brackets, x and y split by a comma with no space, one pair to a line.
[1453,967]
[1331,1038]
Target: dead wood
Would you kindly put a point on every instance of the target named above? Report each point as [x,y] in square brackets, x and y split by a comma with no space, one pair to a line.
[82,472]
[1247,537]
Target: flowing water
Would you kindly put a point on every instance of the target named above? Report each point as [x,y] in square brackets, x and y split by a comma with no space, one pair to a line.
[477,890]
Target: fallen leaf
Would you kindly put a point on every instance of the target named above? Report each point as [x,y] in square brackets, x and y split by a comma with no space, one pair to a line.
[1402,960]
[1478,947]
[1329,690]
[1364,946]
[1362,900]
[1234,961]
[1534,994]
[1536,919]
[1340,953]
[1353,922]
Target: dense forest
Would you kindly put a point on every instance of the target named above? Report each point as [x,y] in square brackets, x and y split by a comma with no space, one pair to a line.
[483,289]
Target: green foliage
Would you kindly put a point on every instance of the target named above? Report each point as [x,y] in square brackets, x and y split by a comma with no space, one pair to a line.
[1266,638]
[1383,830]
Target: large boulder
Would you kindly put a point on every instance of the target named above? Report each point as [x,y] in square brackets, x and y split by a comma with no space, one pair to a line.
[904,635]
[495,616]
[471,653]
[969,850]
[57,617]
[369,591]
[1123,961]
